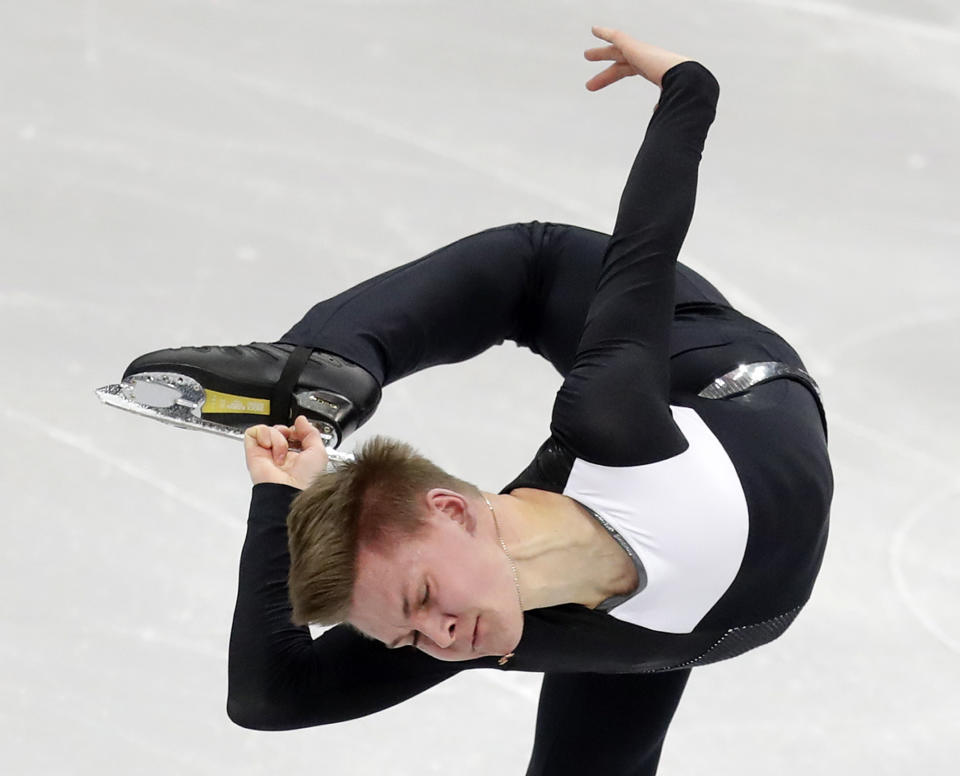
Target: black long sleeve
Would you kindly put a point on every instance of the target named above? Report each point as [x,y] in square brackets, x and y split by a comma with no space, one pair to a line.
[613,407]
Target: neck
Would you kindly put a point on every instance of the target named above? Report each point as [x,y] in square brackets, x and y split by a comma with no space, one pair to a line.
[562,555]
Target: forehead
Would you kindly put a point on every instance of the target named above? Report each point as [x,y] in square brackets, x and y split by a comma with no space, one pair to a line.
[384,576]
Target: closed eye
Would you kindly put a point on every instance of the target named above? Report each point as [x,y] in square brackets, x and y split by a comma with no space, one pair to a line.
[423,602]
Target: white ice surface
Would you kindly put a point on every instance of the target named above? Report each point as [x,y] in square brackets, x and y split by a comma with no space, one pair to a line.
[201,172]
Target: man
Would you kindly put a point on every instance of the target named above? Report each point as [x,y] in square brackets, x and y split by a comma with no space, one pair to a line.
[675,516]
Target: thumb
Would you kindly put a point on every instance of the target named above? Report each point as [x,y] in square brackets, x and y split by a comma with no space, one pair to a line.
[311,439]
[309,434]
[256,439]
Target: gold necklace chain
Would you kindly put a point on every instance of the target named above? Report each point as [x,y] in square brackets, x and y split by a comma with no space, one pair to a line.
[516,577]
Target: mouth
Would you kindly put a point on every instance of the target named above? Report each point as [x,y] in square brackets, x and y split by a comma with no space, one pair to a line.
[473,641]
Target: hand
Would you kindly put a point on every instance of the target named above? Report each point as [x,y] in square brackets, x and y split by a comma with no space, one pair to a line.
[630,57]
[270,459]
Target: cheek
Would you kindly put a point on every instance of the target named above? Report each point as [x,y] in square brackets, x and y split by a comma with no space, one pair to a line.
[482,580]
[494,594]
[475,578]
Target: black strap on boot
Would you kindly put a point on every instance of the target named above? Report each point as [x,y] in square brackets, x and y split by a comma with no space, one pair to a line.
[283,391]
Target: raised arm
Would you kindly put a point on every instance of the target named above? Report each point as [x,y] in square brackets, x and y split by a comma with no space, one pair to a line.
[280,677]
[613,408]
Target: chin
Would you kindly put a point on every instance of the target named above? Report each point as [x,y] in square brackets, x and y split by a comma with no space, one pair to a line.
[507,642]
[454,657]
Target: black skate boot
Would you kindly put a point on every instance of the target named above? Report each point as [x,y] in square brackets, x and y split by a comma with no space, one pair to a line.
[227,389]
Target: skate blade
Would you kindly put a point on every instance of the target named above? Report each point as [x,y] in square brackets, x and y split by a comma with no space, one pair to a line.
[178,400]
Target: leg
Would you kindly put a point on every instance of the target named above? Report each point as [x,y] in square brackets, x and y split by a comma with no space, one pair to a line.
[446,307]
[613,724]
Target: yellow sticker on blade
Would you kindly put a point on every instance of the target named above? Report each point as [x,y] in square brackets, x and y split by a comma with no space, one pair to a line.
[228,403]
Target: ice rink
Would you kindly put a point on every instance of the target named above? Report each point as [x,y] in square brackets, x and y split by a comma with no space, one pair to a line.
[176,173]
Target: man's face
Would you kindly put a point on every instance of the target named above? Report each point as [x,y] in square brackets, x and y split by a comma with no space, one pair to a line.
[449,590]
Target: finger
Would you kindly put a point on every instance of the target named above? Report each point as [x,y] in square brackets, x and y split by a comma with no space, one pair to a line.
[263,436]
[289,435]
[279,444]
[604,52]
[612,74]
[250,439]
[257,435]
[604,33]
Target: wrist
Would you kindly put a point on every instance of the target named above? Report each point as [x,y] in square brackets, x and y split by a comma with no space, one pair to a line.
[270,478]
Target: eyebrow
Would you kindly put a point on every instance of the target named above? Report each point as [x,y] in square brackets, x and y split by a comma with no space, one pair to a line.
[406,614]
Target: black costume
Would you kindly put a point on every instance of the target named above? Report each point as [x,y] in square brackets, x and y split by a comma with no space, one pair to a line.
[633,333]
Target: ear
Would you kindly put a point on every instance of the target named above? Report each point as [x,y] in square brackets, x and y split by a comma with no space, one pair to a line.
[453,506]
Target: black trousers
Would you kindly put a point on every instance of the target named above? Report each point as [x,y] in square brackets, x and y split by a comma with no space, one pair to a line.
[604,723]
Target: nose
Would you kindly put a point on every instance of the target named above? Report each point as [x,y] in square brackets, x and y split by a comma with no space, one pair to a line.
[441,629]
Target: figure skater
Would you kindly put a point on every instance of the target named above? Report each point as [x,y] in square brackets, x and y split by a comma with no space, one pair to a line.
[675,516]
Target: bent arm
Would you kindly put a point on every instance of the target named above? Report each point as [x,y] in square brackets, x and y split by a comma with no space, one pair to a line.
[281,678]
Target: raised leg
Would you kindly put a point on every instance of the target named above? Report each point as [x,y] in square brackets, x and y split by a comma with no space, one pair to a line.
[446,307]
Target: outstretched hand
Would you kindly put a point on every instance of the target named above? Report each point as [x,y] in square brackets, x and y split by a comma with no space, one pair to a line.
[270,458]
[630,57]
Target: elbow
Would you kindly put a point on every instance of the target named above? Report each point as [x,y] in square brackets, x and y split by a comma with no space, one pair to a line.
[259,707]
[254,703]
[247,699]
[249,713]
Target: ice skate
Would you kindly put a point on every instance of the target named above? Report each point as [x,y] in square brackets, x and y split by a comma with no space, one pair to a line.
[226,389]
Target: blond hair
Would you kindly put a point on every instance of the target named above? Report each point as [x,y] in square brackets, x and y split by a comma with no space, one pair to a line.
[375,499]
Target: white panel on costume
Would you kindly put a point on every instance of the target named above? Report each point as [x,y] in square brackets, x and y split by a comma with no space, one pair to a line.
[685,517]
